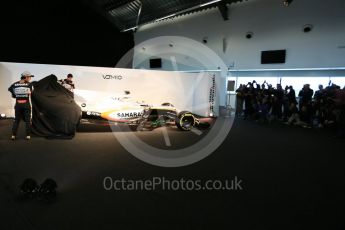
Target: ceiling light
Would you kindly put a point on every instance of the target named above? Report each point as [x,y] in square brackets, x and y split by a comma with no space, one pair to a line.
[307,28]
[209,3]
[160,19]
[249,35]
[132,28]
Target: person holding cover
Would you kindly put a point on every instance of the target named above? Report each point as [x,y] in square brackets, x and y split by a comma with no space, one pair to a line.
[68,82]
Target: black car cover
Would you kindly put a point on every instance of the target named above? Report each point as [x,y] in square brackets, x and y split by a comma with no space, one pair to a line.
[54,111]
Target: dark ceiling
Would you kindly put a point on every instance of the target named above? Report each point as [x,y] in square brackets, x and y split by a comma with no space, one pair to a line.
[82,32]
[124,13]
[67,32]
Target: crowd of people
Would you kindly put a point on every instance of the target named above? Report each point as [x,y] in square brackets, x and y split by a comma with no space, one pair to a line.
[265,103]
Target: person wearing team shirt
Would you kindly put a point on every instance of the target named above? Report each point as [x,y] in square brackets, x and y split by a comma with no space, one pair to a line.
[21,92]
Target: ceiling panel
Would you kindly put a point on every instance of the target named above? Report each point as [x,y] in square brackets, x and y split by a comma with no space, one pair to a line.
[124,13]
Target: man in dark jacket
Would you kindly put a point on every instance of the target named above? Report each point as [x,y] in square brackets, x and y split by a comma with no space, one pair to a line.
[305,95]
[68,82]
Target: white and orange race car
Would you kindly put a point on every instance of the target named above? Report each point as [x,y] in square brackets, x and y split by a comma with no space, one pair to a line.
[122,109]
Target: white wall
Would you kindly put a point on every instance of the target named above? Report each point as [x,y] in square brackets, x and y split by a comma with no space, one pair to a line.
[274,27]
[186,91]
[180,54]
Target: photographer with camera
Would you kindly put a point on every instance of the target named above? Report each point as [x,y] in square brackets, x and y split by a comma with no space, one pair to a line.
[240,95]
[264,103]
[305,96]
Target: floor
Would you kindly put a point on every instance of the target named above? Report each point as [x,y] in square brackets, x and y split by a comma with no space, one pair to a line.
[293,178]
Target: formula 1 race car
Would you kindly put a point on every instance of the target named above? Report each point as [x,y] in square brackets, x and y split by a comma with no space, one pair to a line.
[121,110]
